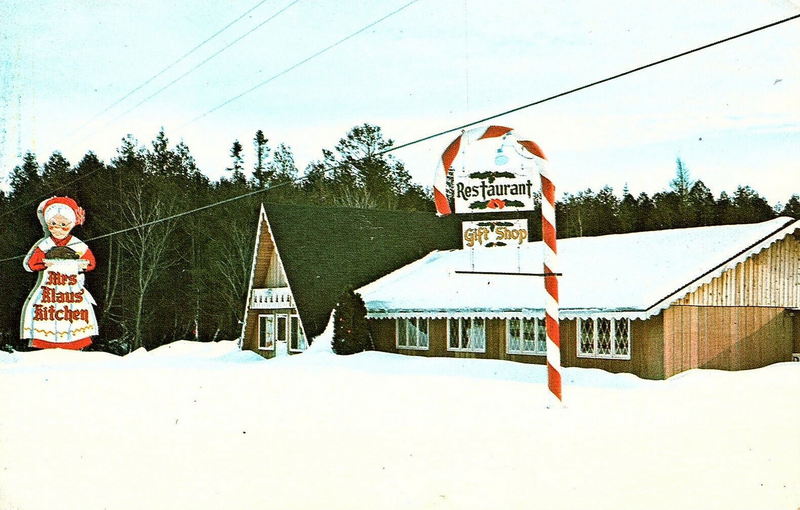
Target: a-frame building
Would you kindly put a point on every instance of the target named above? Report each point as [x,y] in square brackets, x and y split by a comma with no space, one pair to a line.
[307,257]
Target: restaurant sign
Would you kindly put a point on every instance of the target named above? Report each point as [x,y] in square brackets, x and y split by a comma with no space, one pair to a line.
[494,175]
[494,233]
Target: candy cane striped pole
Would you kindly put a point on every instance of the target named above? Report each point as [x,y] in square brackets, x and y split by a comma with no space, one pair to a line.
[550,258]
[552,327]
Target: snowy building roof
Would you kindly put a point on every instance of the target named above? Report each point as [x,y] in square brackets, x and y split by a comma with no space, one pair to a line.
[624,275]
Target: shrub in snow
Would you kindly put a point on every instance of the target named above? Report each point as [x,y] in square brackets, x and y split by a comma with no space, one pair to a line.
[117,346]
[350,329]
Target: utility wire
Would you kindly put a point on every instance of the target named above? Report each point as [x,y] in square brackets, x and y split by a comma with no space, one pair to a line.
[598,82]
[220,106]
[52,190]
[295,66]
[169,66]
[419,140]
[202,63]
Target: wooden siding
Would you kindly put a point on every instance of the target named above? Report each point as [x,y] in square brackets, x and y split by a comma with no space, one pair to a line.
[267,273]
[647,355]
[268,270]
[770,278]
[725,338]
[796,331]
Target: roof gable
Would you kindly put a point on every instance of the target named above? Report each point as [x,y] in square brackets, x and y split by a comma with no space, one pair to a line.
[634,275]
[328,250]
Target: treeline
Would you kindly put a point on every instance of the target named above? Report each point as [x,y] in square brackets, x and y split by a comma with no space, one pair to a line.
[686,203]
[187,277]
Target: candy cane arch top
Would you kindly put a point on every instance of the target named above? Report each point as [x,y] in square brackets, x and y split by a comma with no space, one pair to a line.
[548,233]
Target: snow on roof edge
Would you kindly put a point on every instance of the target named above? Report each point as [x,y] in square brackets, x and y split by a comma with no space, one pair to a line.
[564,313]
[789,227]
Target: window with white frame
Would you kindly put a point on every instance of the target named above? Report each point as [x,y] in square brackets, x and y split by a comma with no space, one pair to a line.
[297,338]
[412,333]
[466,334]
[604,338]
[526,336]
[266,332]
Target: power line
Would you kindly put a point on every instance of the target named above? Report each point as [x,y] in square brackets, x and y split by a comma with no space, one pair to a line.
[169,66]
[366,27]
[420,140]
[598,82]
[202,63]
[52,190]
[298,64]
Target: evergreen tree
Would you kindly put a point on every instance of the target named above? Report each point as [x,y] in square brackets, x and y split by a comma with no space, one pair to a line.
[701,205]
[26,178]
[262,175]
[792,207]
[350,329]
[750,207]
[237,163]
[682,183]
[56,170]
[724,210]
[628,212]
[357,173]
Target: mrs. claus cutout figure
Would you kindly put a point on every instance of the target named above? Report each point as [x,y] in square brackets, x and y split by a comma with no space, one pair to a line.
[58,311]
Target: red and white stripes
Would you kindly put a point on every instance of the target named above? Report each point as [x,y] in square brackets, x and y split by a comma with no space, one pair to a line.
[548,235]
[449,155]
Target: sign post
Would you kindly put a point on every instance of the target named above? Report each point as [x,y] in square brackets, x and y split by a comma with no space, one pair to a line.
[496,175]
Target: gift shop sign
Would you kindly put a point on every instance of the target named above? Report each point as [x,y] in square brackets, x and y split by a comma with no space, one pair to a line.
[494,233]
[494,176]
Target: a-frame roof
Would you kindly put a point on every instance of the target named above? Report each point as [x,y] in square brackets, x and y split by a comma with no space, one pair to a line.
[327,250]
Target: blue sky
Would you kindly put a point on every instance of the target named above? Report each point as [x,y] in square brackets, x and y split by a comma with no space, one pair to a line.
[732,113]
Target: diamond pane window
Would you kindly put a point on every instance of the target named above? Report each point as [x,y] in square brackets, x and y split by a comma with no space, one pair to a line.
[541,336]
[412,333]
[586,336]
[603,328]
[514,340]
[525,336]
[529,335]
[604,338]
[622,337]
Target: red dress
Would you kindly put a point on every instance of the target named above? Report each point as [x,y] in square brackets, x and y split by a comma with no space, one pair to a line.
[35,262]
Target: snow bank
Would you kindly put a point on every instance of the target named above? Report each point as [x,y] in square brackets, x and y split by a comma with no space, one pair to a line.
[376,430]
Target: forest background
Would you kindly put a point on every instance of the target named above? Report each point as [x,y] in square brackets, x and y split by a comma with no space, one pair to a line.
[187,277]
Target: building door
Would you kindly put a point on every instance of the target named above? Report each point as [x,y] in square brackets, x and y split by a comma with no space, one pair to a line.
[282,332]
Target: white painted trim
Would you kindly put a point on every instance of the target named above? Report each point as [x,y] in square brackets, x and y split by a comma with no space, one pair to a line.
[564,314]
[283,270]
[538,324]
[410,347]
[578,334]
[258,332]
[262,215]
[726,265]
[286,332]
[301,330]
[460,340]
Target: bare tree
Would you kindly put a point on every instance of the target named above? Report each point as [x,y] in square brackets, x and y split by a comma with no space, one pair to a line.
[146,248]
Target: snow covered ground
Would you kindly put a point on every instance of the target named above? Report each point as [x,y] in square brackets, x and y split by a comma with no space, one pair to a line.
[203,426]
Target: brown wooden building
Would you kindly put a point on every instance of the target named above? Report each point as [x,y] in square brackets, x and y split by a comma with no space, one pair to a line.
[652,303]
[306,258]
